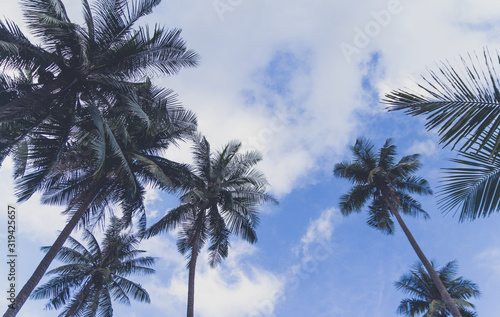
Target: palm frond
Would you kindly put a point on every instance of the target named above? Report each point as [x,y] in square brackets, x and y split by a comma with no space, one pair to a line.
[409,206]
[471,188]
[386,155]
[379,216]
[123,288]
[17,52]
[219,237]
[410,307]
[414,185]
[170,221]
[144,53]
[355,199]
[201,155]
[461,102]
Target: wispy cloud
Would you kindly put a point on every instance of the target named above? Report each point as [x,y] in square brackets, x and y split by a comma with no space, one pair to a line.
[313,248]
[490,259]
[320,229]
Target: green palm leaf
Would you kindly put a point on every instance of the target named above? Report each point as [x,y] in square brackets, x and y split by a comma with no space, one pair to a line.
[472,186]
[460,102]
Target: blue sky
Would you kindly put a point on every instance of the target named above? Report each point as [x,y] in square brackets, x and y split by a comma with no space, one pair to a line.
[277,76]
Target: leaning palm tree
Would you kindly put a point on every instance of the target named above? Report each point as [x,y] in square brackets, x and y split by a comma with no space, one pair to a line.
[461,103]
[221,200]
[80,77]
[93,276]
[425,299]
[377,177]
[115,172]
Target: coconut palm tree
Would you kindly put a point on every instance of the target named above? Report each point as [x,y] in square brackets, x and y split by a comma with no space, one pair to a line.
[425,299]
[377,177]
[461,103]
[96,274]
[81,76]
[224,192]
[114,173]
[75,66]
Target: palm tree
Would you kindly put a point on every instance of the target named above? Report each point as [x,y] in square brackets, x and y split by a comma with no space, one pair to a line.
[388,184]
[461,104]
[224,192]
[75,66]
[94,275]
[83,82]
[116,174]
[426,300]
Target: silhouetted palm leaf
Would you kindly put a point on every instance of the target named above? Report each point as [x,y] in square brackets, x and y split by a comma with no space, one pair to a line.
[461,102]
[472,186]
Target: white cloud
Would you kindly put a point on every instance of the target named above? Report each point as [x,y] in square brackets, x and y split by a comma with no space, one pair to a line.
[36,222]
[292,149]
[324,96]
[152,195]
[479,11]
[490,259]
[314,247]
[235,288]
[428,147]
[235,294]
[319,231]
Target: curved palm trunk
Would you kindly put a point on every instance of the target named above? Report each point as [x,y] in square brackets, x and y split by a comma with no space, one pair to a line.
[450,304]
[192,271]
[47,259]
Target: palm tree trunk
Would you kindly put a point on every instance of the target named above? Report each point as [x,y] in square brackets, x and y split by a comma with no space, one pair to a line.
[47,259]
[71,311]
[192,271]
[450,304]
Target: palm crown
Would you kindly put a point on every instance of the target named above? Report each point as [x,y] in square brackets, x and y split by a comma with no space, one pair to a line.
[220,200]
[123,157]
[224,192]
[425,299]
[78,69]
[377,176]
[97,274]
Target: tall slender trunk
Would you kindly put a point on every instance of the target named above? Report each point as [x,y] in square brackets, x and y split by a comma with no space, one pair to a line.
[47,259]
[192,271]
[85,291]
[450,304]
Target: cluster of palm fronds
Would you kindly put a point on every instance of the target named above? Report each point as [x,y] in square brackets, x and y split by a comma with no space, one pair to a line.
[463,105]
[86,127]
